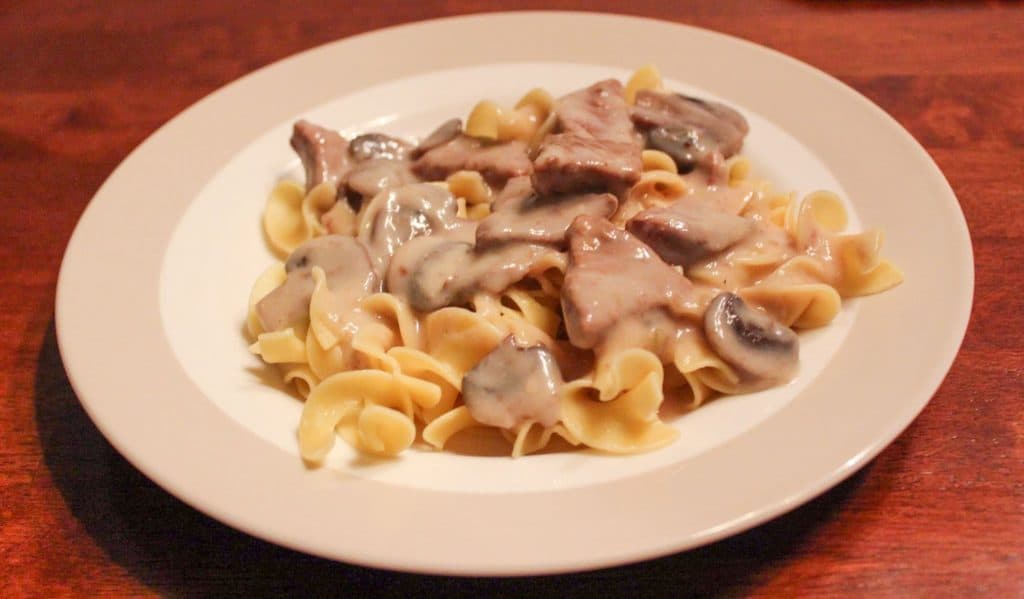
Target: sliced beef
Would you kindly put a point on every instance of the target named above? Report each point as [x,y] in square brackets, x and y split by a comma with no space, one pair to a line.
[613,275]
[695,132]
[689,230]
[599,111]
[496,162]
[324,153]
[346,264]
[569,162]
[522,215]
[596,147]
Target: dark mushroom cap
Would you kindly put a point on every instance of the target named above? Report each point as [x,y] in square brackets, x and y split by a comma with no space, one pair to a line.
[448,131]
[684,146]
[764,351]
[371,146]
[433,283]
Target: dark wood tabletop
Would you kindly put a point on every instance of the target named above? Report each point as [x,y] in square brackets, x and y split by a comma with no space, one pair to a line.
[939,513]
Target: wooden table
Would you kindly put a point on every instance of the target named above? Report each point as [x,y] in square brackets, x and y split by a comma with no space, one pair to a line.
[939,513]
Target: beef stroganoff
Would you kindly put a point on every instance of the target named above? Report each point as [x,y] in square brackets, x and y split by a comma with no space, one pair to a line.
[558,268]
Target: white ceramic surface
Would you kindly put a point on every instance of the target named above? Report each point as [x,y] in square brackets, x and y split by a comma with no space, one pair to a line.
[152,292]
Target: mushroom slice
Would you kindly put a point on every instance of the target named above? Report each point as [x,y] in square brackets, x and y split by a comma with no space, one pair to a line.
[397,215]
[512,385]
[369,146]
[685,146]
[345,263]
[764,351]
[536,219]
[370,177]
[435,282]
[448,131]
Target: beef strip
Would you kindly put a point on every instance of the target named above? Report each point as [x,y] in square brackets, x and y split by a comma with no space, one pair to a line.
[689,230]
[522,215]
[596,147]
[496,162]
[695,132]
[324,153]
[613,275]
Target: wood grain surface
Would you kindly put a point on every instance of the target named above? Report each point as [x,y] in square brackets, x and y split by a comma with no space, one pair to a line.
[940,513]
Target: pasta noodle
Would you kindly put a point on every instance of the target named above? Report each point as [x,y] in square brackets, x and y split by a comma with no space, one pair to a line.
[405,318]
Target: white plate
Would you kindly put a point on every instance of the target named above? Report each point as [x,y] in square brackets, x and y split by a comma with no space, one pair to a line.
[152,292]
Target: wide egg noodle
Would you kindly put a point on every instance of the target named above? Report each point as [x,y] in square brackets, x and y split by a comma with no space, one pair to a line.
[283,222]
[447,425]
[862,270]
[390,309]
[656,160]
[280,347]
[456,340]
[529,117]
[529,307]
[702,370]
[324,362]
[301,377]
[537,325]
[318,202]
[460,338]
[739,169]
[372,410]
[531,437]
[471,186]
[655,189]
[626,422]
[646,77]
[422,365]
[803,306]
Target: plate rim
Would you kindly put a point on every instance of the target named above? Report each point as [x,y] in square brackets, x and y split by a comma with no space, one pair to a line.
[70,333]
